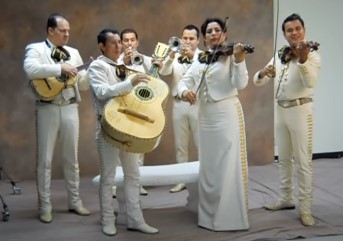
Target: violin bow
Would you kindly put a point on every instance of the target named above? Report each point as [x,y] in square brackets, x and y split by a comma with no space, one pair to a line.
[275,41]
[276,31]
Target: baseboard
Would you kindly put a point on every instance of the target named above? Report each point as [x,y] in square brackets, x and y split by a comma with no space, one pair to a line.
[338,154]
[327,155]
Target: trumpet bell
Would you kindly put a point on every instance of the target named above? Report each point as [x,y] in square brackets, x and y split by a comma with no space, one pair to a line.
[174,44]
[137,59]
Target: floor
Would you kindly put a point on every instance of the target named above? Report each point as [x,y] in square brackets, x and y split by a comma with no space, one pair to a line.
[167,212]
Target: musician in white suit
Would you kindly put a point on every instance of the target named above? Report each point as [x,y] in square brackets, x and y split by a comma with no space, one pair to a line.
[106,82]
[223,174]
[295,74]
[131,58]
[185,116]
[58,117]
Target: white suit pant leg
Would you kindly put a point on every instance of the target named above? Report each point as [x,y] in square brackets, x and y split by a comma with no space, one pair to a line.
[285,153]
[108,156]
[129,162]
[141,159]
[122,209]
[69,137]
[302,136]
[47,127]
[181,130]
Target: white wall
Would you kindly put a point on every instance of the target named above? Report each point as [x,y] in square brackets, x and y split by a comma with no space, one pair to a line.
[323,22]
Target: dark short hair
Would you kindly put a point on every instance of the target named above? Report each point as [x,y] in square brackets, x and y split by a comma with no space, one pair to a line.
[128,30]
[292,17]
[192,27]
[102,36]
[211,20]
[52,20]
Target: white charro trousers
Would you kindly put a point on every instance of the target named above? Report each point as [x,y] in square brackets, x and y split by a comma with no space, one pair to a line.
[109,159]
[294,134]
[185,120]
[57,122]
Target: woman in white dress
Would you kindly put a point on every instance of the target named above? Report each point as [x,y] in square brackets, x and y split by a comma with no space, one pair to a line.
[223,174]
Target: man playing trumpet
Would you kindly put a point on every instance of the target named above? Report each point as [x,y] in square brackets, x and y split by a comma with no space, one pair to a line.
[134,60]
[185,116]
[131,58]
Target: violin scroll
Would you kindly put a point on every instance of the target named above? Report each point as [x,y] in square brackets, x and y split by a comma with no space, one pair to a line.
[314,46]
[249,48]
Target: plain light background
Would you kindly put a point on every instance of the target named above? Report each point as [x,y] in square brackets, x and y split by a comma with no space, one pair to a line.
[323,24]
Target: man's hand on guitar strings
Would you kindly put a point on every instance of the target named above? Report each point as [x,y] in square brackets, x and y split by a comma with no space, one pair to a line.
[68,70]
[139,78]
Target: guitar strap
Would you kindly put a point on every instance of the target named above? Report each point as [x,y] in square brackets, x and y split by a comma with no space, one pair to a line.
[122,71]
[47,43]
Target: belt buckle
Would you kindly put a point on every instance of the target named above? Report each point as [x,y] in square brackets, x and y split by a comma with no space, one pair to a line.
[285,103]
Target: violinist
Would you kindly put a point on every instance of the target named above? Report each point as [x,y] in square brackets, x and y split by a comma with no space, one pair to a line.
[223,174]
[295,71]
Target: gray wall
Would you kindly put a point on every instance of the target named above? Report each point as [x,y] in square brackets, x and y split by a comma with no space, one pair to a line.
[23,22]
[323,24]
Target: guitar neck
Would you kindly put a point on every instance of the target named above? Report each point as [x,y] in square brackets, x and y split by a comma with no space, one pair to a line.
[84,66]
[154,71]
[161,50]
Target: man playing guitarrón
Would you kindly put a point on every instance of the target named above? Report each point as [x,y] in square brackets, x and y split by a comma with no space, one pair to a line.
[106,84]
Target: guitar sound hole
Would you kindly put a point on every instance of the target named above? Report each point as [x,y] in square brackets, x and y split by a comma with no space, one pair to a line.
[144,93]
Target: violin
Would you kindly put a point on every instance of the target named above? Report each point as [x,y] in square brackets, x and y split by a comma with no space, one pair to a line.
[223,49]
[286,52]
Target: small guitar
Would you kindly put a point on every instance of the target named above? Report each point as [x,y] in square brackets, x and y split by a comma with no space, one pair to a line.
[48,88]
[135,122]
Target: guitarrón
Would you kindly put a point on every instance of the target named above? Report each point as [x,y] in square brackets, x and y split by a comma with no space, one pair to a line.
[135,122]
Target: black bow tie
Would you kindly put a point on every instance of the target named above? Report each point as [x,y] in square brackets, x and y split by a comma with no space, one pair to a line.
[285,54]
[207,57]
[121,72]
[184,60]
[59,53]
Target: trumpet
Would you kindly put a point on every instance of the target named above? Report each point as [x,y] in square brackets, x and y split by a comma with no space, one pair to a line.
[175,44]
[136,58]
